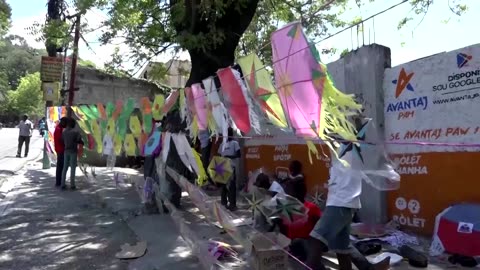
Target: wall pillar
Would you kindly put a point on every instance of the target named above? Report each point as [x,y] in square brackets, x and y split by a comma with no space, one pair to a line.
[361,72]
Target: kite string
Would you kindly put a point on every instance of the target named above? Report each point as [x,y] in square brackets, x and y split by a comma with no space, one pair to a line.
[298,139]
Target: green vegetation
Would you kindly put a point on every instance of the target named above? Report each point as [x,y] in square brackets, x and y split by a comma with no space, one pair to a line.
[27,98]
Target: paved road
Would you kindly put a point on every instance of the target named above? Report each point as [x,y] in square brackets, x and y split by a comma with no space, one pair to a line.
[9,141]
[9,145]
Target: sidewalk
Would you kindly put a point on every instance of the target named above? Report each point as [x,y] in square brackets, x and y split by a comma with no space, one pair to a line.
[46,228]
[166,249]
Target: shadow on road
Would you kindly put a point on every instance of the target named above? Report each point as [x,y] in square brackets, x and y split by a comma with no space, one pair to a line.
[46,228]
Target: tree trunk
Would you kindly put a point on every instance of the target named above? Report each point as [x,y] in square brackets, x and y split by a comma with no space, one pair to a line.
[207,63]
[233,23]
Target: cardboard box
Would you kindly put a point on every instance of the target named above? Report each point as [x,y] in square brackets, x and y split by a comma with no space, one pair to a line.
[268,255]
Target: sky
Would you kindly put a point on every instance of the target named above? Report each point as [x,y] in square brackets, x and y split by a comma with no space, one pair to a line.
[420,38]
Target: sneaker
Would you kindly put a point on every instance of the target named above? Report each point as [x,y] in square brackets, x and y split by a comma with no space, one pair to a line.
[232,208]
[19,156]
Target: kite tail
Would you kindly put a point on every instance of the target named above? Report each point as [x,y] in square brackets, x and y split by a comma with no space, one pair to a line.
[183,105]
[194,129]
[202,174]
[312,149]
[337,107]
[211,125]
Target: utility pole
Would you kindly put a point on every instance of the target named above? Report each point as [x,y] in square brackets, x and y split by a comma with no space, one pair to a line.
[53,11]
[71,90]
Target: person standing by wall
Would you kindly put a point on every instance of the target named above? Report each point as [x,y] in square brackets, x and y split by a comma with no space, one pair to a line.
[72,139]
[231,150]
[59,149]
[25,133]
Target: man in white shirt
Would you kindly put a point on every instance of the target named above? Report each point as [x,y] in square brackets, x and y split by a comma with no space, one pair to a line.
[25,133]
[231,150]
[332,231]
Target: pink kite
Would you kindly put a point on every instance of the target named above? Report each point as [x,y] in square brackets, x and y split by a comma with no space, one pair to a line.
[234,99]
[200,105]
[299,77]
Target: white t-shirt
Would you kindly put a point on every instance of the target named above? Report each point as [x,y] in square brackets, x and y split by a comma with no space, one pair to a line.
[25,128]
[345,183]
[231,147]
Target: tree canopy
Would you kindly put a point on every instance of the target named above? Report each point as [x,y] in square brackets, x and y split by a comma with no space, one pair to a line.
[26,99]
[17,59]
[214,31]
[5,15]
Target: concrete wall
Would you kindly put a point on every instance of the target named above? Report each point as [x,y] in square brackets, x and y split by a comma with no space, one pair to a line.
[96,86]
[361,73]
[177,74]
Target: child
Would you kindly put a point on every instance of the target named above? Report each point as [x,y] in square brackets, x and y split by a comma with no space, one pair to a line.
[71,139]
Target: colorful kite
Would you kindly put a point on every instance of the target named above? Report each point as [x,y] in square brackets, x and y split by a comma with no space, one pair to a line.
[199,101]
[78,113]
[89,114]
[118,109]
[129,145]
[260,85]
[101,111]
[312,104]
[84,126]
[147,123]
[234,99]
[111,127]
[202,178]
[109,108]
[288,208]
[157,107]
[141,143]
[135,126]
[153,145]
[220,169]
[127,109]
[219,113]
[97,135]
[117,144]
[145,105]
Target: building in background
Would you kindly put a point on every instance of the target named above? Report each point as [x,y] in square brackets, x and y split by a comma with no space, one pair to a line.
[173,73]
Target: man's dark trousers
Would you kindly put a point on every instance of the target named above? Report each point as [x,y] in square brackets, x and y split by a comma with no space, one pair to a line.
[58,173]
